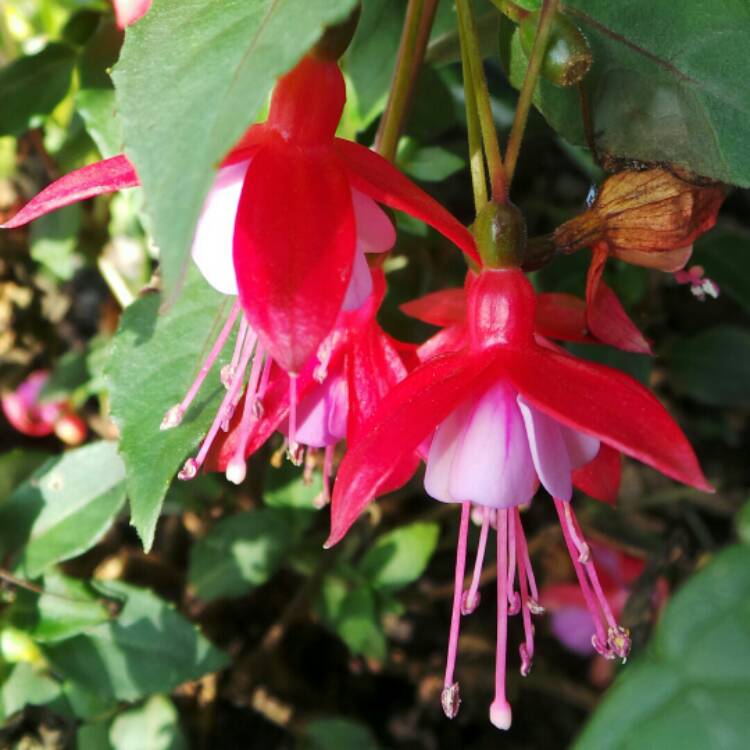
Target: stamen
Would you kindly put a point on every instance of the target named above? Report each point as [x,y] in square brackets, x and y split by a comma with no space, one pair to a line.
[526,650]
[584,551]
[325,494]
[451,698]
[523,560]
[237,466]
[470,599]
[310,460]
[514,601]
[226,405]
[258,409]
[500,713]
[174,416]
[599,639]
[229,371]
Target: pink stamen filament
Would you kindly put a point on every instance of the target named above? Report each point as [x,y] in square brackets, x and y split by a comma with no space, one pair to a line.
[514,602]
[584,551]
[600,642]
[450,697]
[228,372]
[527,649]
[227,406]
[500,713]
[174,416]
[525,561]
[292,414]
[236,468]
[325,495]
[470,600]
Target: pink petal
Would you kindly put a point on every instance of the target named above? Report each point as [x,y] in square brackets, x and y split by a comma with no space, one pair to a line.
[128,12]
[581,448]
[573,627]
[442,452]
[375,231]
[105,176]
[321,415]
[360,283]
[213,241]
[493,465]
[548,451]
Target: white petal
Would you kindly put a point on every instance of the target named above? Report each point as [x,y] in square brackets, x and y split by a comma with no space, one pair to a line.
[493,466]
[442,450]
[548,450]
[212,243]
[375,232]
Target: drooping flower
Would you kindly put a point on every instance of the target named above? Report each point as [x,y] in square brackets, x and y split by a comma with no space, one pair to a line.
[495,420]
[286,224]
[30,415]
[338,390]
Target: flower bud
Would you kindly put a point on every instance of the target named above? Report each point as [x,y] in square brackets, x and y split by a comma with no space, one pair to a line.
[568,55]
[648,218]
[500,232]
[336,39]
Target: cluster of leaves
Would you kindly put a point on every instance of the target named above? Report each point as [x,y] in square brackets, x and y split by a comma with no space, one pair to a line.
[113,648]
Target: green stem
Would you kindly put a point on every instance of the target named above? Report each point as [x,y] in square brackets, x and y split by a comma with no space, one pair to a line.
[476,157]
[526,95]
[416,33]
[470,44]
[511,10]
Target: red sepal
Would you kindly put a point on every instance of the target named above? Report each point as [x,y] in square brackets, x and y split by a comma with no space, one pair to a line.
[562,317]
[606,317]
[294,245]
[600,478]
[375,176]
[607,404]
[105,176]
[405,417]
[442,308]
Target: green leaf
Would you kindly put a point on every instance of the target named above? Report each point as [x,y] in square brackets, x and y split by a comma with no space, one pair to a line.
[428,163]
[67,607]
[725,256]
[149,648]
[95,97]
[154,725]
[692,689]
[54,239]
[33,86]
[17,465]
[26,685]
[93,736]
[154,359]
[713,367]
[239,553]
[65,508]
[286,488]
[399,557]
[664,86]
[191,78]
[338,734]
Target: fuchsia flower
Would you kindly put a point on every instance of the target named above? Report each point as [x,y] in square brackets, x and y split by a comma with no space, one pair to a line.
[338,390]
[494,420]
[31,416]
[700,285]
[570,618]
[285,226]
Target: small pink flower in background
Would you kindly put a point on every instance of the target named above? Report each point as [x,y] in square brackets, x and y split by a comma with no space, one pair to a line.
[570,619]
[127,12]
[27,414]
[700,285]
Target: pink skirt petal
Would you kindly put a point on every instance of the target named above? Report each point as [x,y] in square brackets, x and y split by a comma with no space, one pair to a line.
[493,465]
[581,448]
[442,452]
[375,231]
[549,451]
[360,284]
[213,240]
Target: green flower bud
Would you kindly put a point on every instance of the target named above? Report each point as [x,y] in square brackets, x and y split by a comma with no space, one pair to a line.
[500,232]
[568,56]
[336,39]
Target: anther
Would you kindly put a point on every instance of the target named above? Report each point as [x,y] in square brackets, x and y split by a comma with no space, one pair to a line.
[534,607]
[188,470]
[526,660]
[469,601]
[227,376]
[601,649]
[618,640]
[295,453]
[172,418]
[450,699]
[514,603]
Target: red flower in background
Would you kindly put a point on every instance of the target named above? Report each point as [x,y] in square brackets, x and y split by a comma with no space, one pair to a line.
[28,414]
[495,420]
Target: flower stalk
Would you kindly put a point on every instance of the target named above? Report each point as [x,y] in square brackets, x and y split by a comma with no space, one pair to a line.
[416,33]
[526,94]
